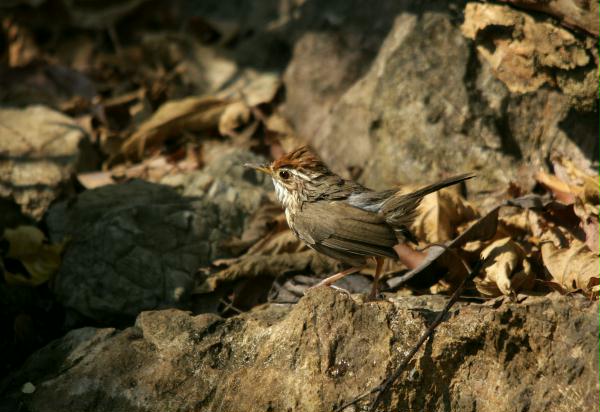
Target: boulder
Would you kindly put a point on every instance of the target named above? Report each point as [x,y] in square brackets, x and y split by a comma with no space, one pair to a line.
[537,354]
[138,245]
[39,150]
[430,104]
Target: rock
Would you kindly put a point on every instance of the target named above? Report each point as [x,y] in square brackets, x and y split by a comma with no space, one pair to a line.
[137,246]
[539,354]
[39,152]
[529,52]
[429,105]
[225,180]
[335,44]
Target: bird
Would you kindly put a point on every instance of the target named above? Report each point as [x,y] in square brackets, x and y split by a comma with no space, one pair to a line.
[341,218]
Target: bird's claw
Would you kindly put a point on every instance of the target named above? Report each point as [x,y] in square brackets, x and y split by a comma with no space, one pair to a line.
[326,284]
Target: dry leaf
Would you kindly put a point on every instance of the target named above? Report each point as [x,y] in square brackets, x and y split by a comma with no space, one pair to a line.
[266,221]
[591,193]
[579,190]
[482,229]
[505,269]
[171,119]
[588,215]
[262,90]
[573,268]
[234,119]
[27,244]
[562,191]
[439,214]
[22,48]
[93,180]
[280,242]
[307,261]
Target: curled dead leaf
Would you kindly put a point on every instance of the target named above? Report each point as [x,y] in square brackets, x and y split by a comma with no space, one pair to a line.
[264,224]
[92,180]
[505,269]
[172,118]
[562,191]
[439,214]
[483,229]
[28,245]
[588,215]
[251,266]
[573,268]
[234,119]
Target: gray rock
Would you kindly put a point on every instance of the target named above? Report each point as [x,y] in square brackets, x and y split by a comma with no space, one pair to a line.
[540,354]
[427,106]
[137,245]
[39,150]
[225,180]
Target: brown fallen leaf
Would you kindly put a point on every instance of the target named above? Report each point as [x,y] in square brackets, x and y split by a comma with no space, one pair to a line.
[22,48]
[578,190]
[562,191]
[439,214]
[253,87]
[92,180]
[234,119]
[264,223]
[483,229]
[28,245]
[171,119]
[588,215]
[573,268]
[282,241]
[505,269]
[591,190]
[307,261]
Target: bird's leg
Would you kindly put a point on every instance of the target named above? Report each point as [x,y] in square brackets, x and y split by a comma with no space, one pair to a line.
[378,269]
[334,278]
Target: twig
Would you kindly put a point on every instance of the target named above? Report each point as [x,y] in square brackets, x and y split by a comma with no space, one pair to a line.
[229,306]
[384,386]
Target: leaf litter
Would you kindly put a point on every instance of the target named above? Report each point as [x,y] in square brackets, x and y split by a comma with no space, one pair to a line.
[154,107]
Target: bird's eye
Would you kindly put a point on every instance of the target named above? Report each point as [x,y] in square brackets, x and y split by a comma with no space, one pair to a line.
[284,174]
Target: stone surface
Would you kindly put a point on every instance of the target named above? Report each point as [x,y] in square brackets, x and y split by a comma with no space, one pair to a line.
[526,52]
[224,180]
[540,354]
[39,150]
[137,246]
[429,105]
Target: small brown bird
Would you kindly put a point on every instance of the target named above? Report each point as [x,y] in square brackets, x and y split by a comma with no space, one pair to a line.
[341,218]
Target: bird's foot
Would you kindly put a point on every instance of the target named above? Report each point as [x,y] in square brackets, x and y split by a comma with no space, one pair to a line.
[374,297]
[325,284]
[334,278]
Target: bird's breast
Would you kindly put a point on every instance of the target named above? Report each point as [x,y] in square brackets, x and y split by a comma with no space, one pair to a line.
[289,217]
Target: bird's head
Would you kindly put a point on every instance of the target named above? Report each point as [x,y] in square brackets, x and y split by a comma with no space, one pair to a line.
[295,175]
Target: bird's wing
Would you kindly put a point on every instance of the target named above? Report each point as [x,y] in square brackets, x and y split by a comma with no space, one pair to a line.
[344,228]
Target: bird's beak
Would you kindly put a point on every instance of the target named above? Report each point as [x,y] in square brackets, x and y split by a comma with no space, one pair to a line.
[260,167]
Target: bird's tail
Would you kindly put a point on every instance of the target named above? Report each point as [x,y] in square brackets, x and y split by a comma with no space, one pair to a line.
[399,209]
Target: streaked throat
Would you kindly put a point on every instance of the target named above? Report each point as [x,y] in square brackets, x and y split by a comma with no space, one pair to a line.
[284,196]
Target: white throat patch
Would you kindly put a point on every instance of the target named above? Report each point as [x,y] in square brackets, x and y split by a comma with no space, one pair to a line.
[284,197]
